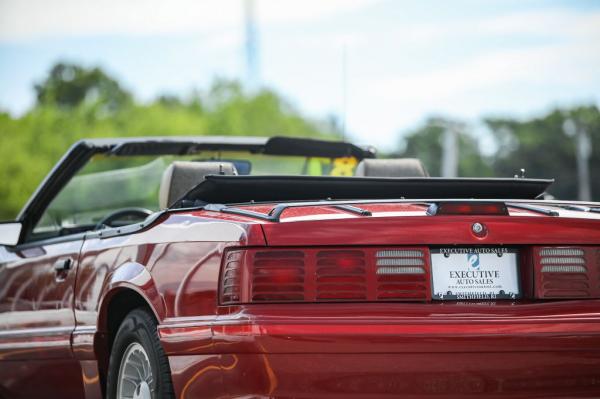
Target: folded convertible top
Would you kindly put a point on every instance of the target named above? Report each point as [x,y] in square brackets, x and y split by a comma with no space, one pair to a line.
[240,189]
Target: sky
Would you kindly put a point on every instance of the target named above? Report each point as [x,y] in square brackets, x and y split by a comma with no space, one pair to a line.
[382,66]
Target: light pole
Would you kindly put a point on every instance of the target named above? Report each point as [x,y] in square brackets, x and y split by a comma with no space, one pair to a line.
[583,152]
[450,150]
[450,153]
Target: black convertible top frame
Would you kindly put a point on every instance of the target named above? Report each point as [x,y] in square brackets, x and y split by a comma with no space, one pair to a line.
[220,189]
[81,152]
[225,193]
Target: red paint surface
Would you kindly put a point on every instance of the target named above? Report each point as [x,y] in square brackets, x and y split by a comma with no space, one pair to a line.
[526,348]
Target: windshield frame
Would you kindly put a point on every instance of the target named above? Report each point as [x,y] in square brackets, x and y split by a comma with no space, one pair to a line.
[82,151]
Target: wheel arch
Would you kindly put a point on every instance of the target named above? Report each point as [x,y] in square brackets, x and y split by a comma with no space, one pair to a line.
[130,287]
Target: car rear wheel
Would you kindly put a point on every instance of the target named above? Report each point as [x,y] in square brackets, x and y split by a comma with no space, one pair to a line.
[138,367]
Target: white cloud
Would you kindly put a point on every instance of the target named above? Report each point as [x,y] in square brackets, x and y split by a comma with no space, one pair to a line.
[550,64]
[34,19]
[542,23]
[558,23]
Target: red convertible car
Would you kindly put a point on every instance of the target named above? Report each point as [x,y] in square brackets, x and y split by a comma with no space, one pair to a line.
[206,267]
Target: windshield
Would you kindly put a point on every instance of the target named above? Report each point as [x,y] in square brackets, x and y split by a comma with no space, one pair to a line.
[109,183]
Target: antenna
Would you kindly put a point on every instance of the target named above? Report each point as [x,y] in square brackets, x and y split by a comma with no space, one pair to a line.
[344,90]
[251,48]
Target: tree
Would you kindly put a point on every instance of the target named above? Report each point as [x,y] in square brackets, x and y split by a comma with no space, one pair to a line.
[69,85]
[230,110]
[425,143]
[541,146]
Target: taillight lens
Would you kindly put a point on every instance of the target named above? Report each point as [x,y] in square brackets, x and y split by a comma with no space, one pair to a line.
[276,276]
[340,275]
[567,272]
[325,275]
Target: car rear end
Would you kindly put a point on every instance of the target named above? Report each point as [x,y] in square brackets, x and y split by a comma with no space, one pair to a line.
[451,298]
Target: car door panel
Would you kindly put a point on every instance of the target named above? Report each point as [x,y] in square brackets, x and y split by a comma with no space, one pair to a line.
[34,379]
[37,316]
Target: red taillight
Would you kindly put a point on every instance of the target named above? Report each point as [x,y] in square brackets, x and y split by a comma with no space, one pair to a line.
[567,272]
[325,275]
[340,275]
[275,275]
[466,208]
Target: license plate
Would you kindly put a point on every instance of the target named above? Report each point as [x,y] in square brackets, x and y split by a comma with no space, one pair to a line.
[474,273]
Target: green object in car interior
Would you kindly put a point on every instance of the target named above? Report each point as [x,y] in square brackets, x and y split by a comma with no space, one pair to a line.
[315,168]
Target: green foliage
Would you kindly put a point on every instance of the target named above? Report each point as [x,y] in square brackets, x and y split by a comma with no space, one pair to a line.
[541,147]
[538,145]
[264,114]
[425,143]
[87,103]
[70,85]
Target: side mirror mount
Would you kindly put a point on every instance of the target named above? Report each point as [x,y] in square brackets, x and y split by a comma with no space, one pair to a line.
[10,233]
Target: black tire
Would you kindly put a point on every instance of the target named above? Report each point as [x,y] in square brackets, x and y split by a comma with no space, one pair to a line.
[139,327]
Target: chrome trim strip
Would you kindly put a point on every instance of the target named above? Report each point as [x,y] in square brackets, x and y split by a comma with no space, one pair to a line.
[34,332]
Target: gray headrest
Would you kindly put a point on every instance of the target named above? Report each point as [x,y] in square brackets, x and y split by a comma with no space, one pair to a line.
[182,176]
[400,167]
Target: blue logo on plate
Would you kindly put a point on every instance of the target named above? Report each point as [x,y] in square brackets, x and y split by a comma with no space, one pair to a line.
[473,260]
